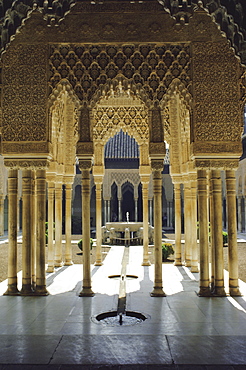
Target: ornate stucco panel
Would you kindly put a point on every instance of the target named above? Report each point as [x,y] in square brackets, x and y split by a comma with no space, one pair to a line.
[217,118]
[24,98]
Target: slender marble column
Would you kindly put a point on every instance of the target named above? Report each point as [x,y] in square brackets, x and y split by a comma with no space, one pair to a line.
[12,232]
[178,251]
[245,214]
[193,237]
[33,232]
[187,223]
[239,212]
[109,210]
[40,241]
[119,209]
[145,189]
[58,224]
[203,232]
[157,167]
[85,166]
[151,212]
[27,219]
[136,209]
[1,214]
[105,211]
[99,223]
[232,232]
[68,226]
[219,288]
[211,213]
[51,189]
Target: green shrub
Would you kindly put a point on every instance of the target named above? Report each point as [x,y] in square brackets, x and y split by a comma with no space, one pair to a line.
[225,237]
[167,250]
[80,243]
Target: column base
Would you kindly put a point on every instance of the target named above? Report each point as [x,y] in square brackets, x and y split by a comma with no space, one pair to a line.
[178,263]
[41,290]
[12,290]
[205,292]
[219,292]
[234,292]
[188,263]
[194,269]
[98,263]
[157,292]
[26,290]
[146,263]
[86,292]
[68,263]
[50,269]
[58,264]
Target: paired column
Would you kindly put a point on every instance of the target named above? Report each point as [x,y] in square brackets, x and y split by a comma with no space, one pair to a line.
[203,231]
[51,189]
[12,232]
[219,289]
[85,166]
[145,190]
[98,222]
[68,225]
[40,229]
[157,167]
[58,224]
[178,251]
[232,232]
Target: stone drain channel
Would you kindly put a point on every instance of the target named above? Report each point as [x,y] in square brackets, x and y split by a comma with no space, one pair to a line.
[121,316]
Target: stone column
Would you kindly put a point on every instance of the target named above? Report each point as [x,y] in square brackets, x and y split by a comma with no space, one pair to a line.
[40,240]
[136,209]
[157,167]
[12,232]
[1,214]
[245,214]
[187,223]
[211,219]
[85,166]
[58,224]
[145,190]
[203,232]
[33,231]
[193,237]
[27,219]
[51,189]
[98,183]
[151,212]
[109,218]
[105,211]
[119,209]
[239,212]
[68,225]
[232,232]
[178,251]
[219,288]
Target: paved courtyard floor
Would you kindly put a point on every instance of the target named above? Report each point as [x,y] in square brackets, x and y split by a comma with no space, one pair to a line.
[181,330]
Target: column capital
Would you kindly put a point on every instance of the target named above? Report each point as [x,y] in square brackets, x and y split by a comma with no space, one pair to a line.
[157,165]
[26,164]
[85,164]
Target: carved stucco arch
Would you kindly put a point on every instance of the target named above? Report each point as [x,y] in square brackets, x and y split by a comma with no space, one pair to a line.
[120,108]
[176,118]
[63,124]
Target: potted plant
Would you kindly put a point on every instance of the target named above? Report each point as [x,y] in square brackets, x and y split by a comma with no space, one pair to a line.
[80,243]
[167,250]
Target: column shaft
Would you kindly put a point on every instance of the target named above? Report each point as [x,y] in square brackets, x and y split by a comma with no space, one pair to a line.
[27,219]
[193,237]
[58,224]
[136,209]
[145,188]
[177,200]
[187,223]
[1,214]
[33,232]
[68,226]
[86,289]
[12,232]
[203,232]
[157,188]
[51,189]
[99,224]
[239,213]
[119,209]
[219,288]
[232,232]
[40,240]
